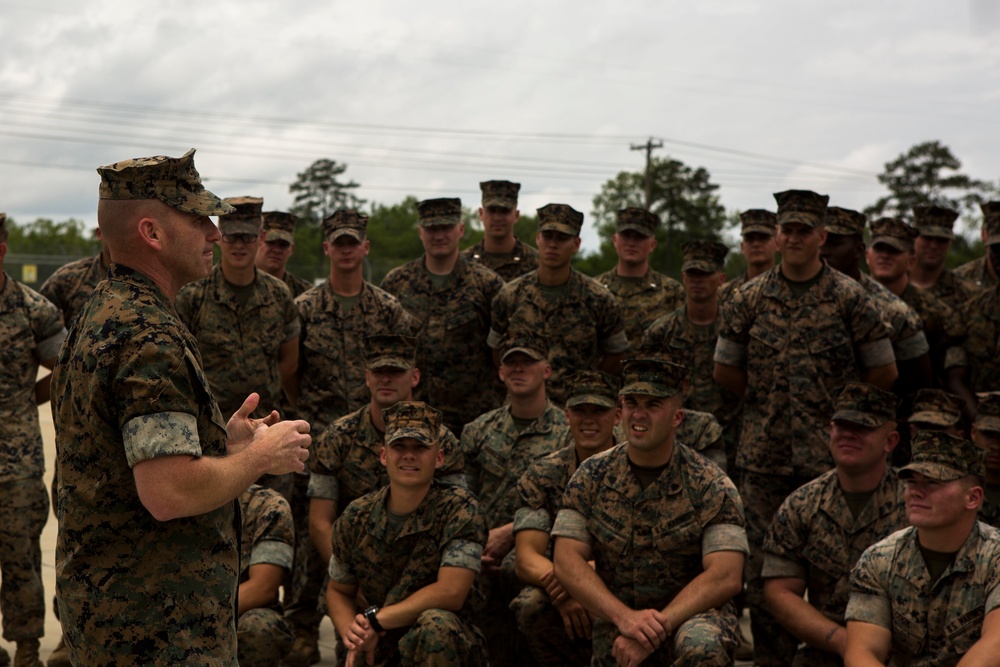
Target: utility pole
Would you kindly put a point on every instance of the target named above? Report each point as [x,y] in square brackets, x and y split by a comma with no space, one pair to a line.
[648,147]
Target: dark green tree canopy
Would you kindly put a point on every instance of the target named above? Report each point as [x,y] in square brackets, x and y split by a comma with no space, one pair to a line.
[318,192]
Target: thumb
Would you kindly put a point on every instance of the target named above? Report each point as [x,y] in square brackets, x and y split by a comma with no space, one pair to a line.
[249,405]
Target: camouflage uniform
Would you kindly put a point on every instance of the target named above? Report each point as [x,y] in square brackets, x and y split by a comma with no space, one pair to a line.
[643,300]
[129,381]
[953,290]
[331,354]
[268,537]
[71,285]
[648,544]
[907,329]
[31,331]
[752,221]
[932,622]
[731,286]
[446,530]
[297,286]
[521,260]
[239,344]
[814,537]
[346,464]
[977,272]
[456,367]
[980,350]
[580,328]
[941,325]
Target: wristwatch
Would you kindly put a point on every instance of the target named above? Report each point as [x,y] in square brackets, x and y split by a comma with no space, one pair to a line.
[372,619]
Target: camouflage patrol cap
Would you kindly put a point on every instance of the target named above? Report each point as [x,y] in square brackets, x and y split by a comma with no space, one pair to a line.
[592,388]
[936,408]
[893,232]
[935,221]
[944,457]
[560,218]
[758,221]
[171,180]
[988,413]
[390,351]
[411,419]
[525,341]
[991,221]
[443,212]
[345,222]
[652,377]
[247,218]
[844,221]
[638,220]
[500,193]
[865,404]
[801,206]
[703,255]
[279,226]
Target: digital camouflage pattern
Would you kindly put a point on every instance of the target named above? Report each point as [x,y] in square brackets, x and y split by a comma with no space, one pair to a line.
[345,222]
[580,326]
[643,300]
[499,193]
[413,420]
[797,352]
[701,432]
[980,349]
[346,464]
[457,374]
[801,206]
[944,457]
[932,622]
[560,218]
[953,290]
[24,508]
[509,265]
[447,529]
[942,327]
[545,633]
[246,218]
[936,407]
[331,349]
[263,635]
[297,286]
[444,211]
[704,255]
[128,386]
[279,226]
[933,220]
[647,545]
[638,220]
[496,456]
[906,327]
[978,273]
[72,284]
[865,404]
[239,344]
[730,286]
[814,537]
[540,489]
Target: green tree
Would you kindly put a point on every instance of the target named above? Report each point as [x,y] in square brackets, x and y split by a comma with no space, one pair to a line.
[68,239]
[683,197]
[318,192]
[928,174]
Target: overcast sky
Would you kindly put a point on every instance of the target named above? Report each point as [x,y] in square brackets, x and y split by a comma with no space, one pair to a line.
[428,98]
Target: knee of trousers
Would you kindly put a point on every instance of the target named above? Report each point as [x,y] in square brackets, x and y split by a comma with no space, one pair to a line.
[706,639]
[435,632]
[263,638]
[530,605]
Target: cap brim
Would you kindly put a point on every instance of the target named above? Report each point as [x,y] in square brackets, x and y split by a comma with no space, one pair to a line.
[933,418]
[808,219]
[639,229]
[558,227]
[199,203]
[865,419]
[278,235]
[987,423]
[533,354]
[892,242]
[414,433]
[840,231]
[937,232]
[938,471]
[398,363]
[648,389]
[501,202]
[590,399]
[993,239]
[345,231]
[700,265]
[238,227]
[439,221]
[758,229]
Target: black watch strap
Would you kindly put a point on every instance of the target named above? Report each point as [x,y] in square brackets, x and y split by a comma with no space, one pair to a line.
[372,619]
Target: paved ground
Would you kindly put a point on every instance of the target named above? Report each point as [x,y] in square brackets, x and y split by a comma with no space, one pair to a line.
[52,630]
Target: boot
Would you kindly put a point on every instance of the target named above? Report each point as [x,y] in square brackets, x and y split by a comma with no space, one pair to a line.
[59,656]
[26,654]
[305,650]
[744,650]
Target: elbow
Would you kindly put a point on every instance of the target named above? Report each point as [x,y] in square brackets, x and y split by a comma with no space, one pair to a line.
[732,585]
[160,508]
[453,599]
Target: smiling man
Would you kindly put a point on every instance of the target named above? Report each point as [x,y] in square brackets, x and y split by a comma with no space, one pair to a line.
[934,236]
[757,245]
[499,249]
[928,595]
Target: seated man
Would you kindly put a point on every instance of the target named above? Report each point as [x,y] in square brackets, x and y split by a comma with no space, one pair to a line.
[821,530]
[556,626]
[263,635]
[665,529]
[927,596]
[411,551]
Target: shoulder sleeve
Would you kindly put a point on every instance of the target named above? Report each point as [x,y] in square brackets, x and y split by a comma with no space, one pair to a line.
[46,324]
[785,536]
[869,600]
[500,314]
[273,537]
[611,336]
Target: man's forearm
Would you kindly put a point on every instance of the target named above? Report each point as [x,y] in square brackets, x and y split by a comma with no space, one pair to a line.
[583,583]
[803,620]
[342,609]
[448,594]
[712,588]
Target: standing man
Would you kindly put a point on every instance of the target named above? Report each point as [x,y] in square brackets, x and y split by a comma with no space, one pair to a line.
[148,465]
[788,340]
[274,253]
[821,529]
[31,331]
[758,246]
[244,320]
[580,320]
[664,528]
[72,284]
[689,333]
[986,436]
[411,551]
[557,627]
[449,298]
[927,596]
[500,250]
[982,272]
[934,234]
[336,317]
[644,294]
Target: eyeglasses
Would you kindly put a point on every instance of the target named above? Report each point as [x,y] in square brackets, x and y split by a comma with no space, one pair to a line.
[245,239]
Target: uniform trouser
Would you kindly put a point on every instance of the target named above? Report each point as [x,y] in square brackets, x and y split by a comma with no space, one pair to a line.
[263,638]
[762,495]
[543,628]
[499,626]
[437,639]
[704,640]
[24,508]
[304,590]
